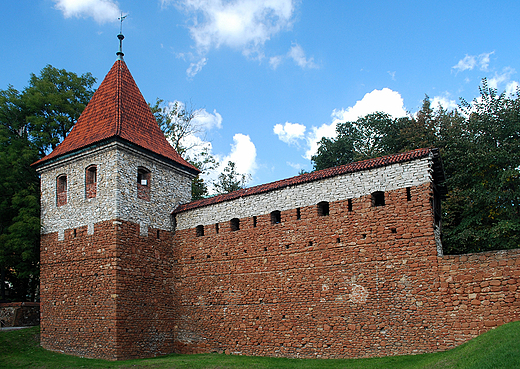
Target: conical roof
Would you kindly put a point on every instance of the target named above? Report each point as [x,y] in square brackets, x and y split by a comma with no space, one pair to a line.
[118,111]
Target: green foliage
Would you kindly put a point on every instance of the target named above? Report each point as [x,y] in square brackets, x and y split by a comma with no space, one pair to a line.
[497,348]
[54,100]
[480,148]
[230,180]
[31,124]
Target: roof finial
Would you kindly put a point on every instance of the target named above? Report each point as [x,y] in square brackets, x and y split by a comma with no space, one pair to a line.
[121,37]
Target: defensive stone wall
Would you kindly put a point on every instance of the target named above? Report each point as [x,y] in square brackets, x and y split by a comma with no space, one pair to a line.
[336,188]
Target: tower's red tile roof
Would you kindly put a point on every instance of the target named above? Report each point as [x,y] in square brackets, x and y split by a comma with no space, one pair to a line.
[321,174]
[118,110]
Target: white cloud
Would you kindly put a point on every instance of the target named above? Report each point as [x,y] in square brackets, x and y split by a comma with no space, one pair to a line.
[101,10]
[243,154]
[384,100]
[207,120]
[290,132]
[298,55]
[444,101]
[501,78]
[471,61]
[512,87]
[195,68]
[242,24]
[275,61]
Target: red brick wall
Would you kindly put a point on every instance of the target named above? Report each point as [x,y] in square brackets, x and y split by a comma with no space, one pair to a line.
[107,295]
[366,282]
[352,284]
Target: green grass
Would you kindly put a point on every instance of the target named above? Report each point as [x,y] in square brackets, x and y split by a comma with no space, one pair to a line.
[498,348]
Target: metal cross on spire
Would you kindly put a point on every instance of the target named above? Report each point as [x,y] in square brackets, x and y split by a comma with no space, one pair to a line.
[121,37]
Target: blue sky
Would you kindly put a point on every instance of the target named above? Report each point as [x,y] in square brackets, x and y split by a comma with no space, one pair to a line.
[271,77]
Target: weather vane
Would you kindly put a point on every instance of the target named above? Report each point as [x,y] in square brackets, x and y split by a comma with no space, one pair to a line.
[122,18]
[121,37]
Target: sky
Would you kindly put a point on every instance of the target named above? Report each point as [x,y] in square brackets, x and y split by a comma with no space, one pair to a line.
[269,78]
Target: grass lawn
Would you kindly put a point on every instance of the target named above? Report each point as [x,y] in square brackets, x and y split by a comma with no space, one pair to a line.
[499,348]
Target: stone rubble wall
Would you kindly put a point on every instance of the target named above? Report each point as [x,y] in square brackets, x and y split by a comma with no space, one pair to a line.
[19,314]
[348,186]
[116,194]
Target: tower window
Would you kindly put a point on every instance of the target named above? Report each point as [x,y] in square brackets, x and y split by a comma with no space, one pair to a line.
[323,208]
[234,224]
[143,183]
[91,182]
[378,198]
[276,217]
[61,190]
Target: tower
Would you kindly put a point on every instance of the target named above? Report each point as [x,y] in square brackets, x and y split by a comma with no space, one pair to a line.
[107,192]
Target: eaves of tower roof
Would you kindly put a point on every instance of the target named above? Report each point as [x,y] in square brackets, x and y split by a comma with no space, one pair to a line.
[118,111]
[438,177]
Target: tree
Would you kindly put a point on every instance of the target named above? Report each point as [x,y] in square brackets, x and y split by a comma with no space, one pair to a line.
[180,126]
[230,180]
[54,100]
[31,124]
[480,148]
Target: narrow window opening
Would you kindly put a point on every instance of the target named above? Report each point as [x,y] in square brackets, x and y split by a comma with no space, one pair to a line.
[310,243]
[408,194]
[349,204]
[61,190]
[91,182]
[216,228]
[75,233]
[265,248]
[200,230]
[234,224]
[254,221]
[393,230]
[143,183]
[323,209]
[158,234]
[173,220]
[276,217]
[298,214]
[193,258]
[378,198]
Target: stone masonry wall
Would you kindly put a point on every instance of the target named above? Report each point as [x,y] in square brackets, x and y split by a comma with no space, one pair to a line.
[351,185]
[116,194]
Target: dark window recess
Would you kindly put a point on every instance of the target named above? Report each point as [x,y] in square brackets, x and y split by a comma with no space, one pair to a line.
[276,217]
[378,198]
[234,224]
[200,230]
[216,228]
[408,194]
[173,220]
[323,208]
[349,204]
[143,183]
[255,221]
[91,182]
[158,234]
[298,213]
[61,190]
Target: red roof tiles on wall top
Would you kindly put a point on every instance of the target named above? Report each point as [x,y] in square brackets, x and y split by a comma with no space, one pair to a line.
[118,109]
[310,177]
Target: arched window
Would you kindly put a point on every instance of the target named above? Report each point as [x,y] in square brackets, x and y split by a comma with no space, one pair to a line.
[200,230]
[61,190]
[276,217]
[323,208]
[378,198]
[143,183]
[91,181]
[234,224]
